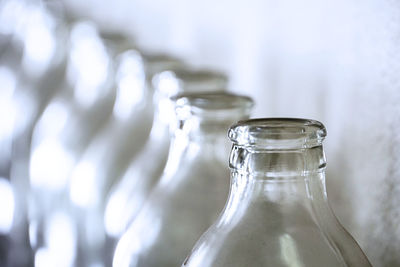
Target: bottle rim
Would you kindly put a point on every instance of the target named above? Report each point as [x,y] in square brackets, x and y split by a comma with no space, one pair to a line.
[277,133]
[216,106]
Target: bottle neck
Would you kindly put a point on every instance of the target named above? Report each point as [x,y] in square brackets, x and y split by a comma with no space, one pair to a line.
[198,128]
[163,117]
[277,164]
[290,183]
[279,175]
[208,137]
[195,146]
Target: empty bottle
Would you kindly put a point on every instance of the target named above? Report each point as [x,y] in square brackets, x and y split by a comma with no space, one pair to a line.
[128,196]
[192,189]
[110,152]
[277,213]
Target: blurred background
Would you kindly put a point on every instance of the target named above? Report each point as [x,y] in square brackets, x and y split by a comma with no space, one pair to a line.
[333,61]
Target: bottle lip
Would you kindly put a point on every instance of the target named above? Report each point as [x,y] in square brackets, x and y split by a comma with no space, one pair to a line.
[277,133]
[213,106]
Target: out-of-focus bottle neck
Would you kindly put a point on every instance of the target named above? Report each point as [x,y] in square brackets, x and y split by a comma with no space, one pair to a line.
[197,128]
[164,109]
[209,115]
[160,129]
[180,79]
[202,121]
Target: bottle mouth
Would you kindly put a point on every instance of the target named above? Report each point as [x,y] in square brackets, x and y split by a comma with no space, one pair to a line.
[277,133]
[213,106]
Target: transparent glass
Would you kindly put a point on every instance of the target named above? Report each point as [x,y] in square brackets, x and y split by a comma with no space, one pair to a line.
[191,191]
[83,99]
[110,152]
[128,196]
[127,130]
[277,213]
[30,67]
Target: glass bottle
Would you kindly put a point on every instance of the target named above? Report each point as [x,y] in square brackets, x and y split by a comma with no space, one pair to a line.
[128,195]
[41,35]
[111,150]
[191,191]
[277,212]
[76,112]
[84,98]
[124,134]
[130,192]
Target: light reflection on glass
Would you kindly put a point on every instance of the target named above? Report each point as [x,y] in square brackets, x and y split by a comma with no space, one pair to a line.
[7,109]
[33,233]
[289,251]
[167,83]
[12,16]
[83,185]
[128,196]
[180,142]
[7,206]
[39,41]
[130,84]
[238,187]
[115,213]
[25,109]
[50,165]
[45,258]
[61,228]
[132,242]
[60,239]
[167,86]
[89,63]
[53,119]
[201,257]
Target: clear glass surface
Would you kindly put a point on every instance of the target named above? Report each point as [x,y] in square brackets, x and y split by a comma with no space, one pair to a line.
[128,196]
[83,100]
[194,184]
[110,152]
[31,65]
[277,213]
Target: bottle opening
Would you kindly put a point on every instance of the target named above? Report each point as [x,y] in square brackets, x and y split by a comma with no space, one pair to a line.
[216,106]
[277,133]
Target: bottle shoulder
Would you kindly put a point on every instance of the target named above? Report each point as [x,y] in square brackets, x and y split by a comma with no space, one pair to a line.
[264,234]
[175,214]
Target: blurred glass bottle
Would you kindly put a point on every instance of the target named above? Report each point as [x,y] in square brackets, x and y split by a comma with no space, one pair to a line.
[83,100]
[35,52]
[124,134]
[128,196]
[43,35]
[277,213]
[111,150]
[11,52]
[193,187]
